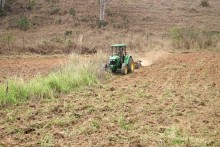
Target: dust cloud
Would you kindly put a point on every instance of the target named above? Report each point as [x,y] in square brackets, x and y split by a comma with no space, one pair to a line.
[149,58]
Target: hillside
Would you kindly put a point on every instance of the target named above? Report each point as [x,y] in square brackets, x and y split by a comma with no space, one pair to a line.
[56,26]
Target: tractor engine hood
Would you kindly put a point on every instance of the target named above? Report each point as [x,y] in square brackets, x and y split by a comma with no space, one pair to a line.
[113,60]
[115,57]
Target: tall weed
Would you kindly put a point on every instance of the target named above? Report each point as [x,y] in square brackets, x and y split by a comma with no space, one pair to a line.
[81,71]
[191,38]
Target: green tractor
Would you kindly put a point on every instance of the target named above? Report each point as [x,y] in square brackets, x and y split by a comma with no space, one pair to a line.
[120,60]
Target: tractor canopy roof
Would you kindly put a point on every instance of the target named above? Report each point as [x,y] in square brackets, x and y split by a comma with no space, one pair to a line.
[118,45]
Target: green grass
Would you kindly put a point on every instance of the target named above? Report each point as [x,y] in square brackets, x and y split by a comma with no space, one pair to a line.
[47,140]
[80,72]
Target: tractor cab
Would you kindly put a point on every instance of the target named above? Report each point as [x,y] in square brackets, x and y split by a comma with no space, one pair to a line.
[119,49]
[120,60]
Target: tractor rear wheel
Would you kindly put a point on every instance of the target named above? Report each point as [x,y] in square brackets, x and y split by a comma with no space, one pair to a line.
[131,65]
[124,69]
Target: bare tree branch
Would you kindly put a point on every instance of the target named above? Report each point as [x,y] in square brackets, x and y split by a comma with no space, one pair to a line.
[103,4]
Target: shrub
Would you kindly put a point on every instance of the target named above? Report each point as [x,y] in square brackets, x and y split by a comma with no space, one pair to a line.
[204,3]
[110,14]
[2,13]
[176,33]
[68,33]
[54,10]
[23,23]
[72,11]
[102,24]
[31,4]
[69,44]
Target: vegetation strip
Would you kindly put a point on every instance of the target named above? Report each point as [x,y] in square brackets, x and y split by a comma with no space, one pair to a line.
[80,72]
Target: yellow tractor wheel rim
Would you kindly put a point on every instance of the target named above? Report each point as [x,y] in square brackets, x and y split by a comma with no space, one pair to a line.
[126,70]
[132,66]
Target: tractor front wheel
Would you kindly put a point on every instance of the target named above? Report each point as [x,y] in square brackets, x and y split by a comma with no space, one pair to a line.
[124,69]
[131,65]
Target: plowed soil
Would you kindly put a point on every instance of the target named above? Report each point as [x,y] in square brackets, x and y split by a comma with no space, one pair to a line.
[174,101]
[27,67]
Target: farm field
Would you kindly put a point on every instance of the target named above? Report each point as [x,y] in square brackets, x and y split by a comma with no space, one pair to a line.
[54,93]
[174,101]
[26,67]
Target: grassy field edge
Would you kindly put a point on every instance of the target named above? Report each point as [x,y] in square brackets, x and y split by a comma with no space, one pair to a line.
[80,71]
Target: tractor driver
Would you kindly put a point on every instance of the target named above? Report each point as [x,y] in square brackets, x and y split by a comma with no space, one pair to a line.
[121,54]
